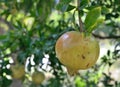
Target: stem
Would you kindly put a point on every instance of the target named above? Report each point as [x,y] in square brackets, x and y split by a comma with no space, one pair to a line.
[79,18]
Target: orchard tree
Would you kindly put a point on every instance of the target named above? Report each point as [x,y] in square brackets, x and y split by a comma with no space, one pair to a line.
[30,29]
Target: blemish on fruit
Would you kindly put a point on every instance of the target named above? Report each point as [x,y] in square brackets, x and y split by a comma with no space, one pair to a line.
[87,65]
[83,56]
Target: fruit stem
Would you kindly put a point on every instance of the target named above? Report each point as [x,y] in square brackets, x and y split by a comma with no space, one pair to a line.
[71,72]
[79,18]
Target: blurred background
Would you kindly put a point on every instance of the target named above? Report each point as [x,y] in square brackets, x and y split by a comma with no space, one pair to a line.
[29,30]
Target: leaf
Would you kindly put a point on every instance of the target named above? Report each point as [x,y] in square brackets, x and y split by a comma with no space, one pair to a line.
[92,18]
[117,2]
[2,37]
[70,7]
[97,23]
[83,3]
[63,5]
[105,10]
[108,52]
[5,82]
[118,8]
[65,1]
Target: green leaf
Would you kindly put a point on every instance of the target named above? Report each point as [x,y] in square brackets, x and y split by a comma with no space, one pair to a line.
[65,1]
[108,52]
[96,24]
[117,2]
[70,7]
[2,37]
[79,82]
[91,18]
[5,82]
[105,10]
[118,8]
[83,3]
[63,5]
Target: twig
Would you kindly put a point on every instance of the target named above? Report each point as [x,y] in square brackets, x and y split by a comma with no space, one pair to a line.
[79,18]
[105,37]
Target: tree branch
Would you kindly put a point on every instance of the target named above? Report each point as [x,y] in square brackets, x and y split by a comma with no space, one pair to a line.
[105,37]
[79,18]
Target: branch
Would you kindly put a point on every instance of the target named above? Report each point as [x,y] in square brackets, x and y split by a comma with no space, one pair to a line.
[105,37]
[79,18]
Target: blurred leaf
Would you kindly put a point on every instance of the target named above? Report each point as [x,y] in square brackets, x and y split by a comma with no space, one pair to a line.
[79,82]
[70,7]
[118,8]
[7,71]
[55,83]
[2,37]
[6,82]
[65,1]
[108,52]
[92,18]
[84,3]
[63,5]
[117,2]
[104,59]
[105,10]
[98,22]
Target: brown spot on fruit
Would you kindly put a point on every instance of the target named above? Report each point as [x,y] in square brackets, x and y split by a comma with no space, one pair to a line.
[83,56]
[87,65]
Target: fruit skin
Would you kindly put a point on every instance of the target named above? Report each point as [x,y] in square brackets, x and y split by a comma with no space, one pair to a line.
[77,51]
[18,71]
[38,77]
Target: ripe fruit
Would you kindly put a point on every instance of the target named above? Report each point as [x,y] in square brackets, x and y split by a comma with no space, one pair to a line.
[38,77]
[77,51]
[18,71]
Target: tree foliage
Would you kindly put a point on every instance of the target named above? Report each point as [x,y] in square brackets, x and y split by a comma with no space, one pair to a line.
[29,30]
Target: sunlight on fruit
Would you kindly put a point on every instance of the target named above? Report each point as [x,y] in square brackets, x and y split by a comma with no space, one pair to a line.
[77,51]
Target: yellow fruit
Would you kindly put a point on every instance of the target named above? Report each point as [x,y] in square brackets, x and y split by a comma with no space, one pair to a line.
[77,51]
[18,71]
[38,77]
